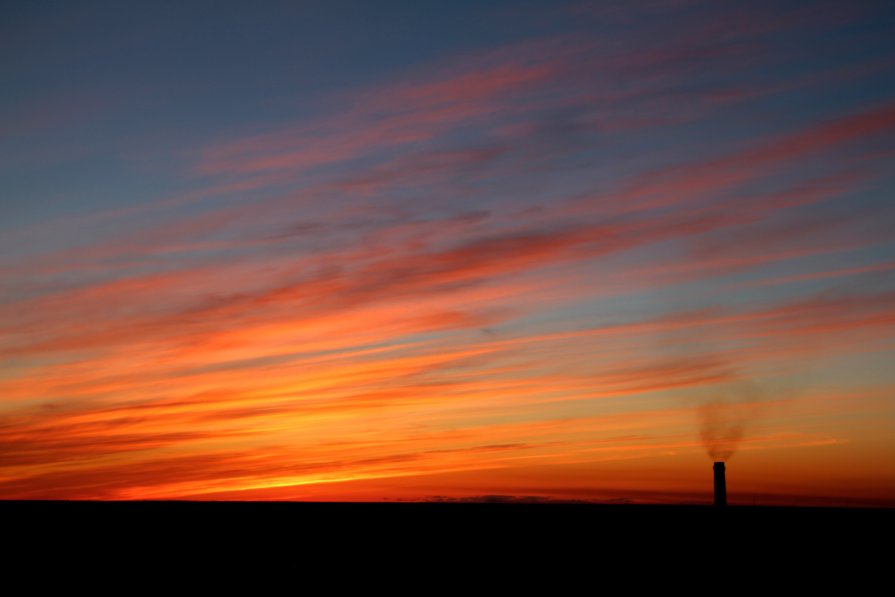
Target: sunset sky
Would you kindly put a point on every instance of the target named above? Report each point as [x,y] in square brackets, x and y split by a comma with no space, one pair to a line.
[416,250]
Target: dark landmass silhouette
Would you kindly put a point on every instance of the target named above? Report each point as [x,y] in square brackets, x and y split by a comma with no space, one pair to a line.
[502,538]
[497,513]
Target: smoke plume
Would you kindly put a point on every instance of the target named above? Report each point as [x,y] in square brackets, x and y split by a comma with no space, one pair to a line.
[721,430]
[726,417]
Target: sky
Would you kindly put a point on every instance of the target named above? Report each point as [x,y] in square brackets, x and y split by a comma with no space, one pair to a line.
[429,251]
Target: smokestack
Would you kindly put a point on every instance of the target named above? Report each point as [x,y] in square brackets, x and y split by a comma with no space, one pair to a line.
[720,485]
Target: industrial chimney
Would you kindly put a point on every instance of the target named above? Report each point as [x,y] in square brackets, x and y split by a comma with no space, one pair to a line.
[720,485]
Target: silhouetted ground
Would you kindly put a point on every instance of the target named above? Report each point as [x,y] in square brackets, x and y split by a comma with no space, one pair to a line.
[415,517]
[451,541]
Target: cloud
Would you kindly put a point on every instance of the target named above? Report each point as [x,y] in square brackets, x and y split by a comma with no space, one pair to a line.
[453,270]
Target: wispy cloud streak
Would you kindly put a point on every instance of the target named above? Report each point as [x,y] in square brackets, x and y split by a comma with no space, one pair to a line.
[528,256]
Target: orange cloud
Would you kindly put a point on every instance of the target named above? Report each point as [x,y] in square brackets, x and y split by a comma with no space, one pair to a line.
[383,299]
